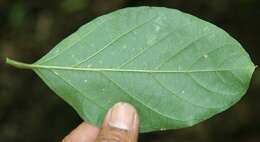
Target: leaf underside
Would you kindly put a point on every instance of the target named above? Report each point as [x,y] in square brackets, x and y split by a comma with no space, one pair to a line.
[176,69]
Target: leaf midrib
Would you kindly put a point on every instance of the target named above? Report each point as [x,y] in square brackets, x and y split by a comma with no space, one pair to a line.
[37,66]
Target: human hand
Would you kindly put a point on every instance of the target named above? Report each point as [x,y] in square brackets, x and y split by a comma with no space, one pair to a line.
[120,125]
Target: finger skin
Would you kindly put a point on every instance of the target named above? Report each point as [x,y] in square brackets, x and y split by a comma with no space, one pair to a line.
[119,133]
[83,133]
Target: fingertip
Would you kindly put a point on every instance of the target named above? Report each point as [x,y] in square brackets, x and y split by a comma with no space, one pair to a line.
[120,124]
[136,128]
[83,133]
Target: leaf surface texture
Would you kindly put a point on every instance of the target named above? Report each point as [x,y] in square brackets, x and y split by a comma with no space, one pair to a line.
[176,69]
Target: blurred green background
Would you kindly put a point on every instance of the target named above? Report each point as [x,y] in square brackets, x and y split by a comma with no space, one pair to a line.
[31,112]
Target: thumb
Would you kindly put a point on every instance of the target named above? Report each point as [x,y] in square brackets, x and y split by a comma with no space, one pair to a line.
[120,124]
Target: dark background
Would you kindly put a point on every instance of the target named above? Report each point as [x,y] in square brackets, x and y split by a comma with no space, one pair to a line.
[31,112]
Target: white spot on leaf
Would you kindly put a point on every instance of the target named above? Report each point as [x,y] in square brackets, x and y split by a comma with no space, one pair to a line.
[125,46]
[162,129]
[151,39]
[158,20]
[56,73]
[206,29]
[157,28]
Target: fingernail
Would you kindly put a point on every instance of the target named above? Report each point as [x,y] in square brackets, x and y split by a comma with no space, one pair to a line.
[122,116]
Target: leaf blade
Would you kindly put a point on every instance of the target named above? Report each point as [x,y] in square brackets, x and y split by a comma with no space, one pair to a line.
[164,66]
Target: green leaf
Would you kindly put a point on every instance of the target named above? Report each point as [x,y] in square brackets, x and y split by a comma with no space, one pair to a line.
[176,69]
